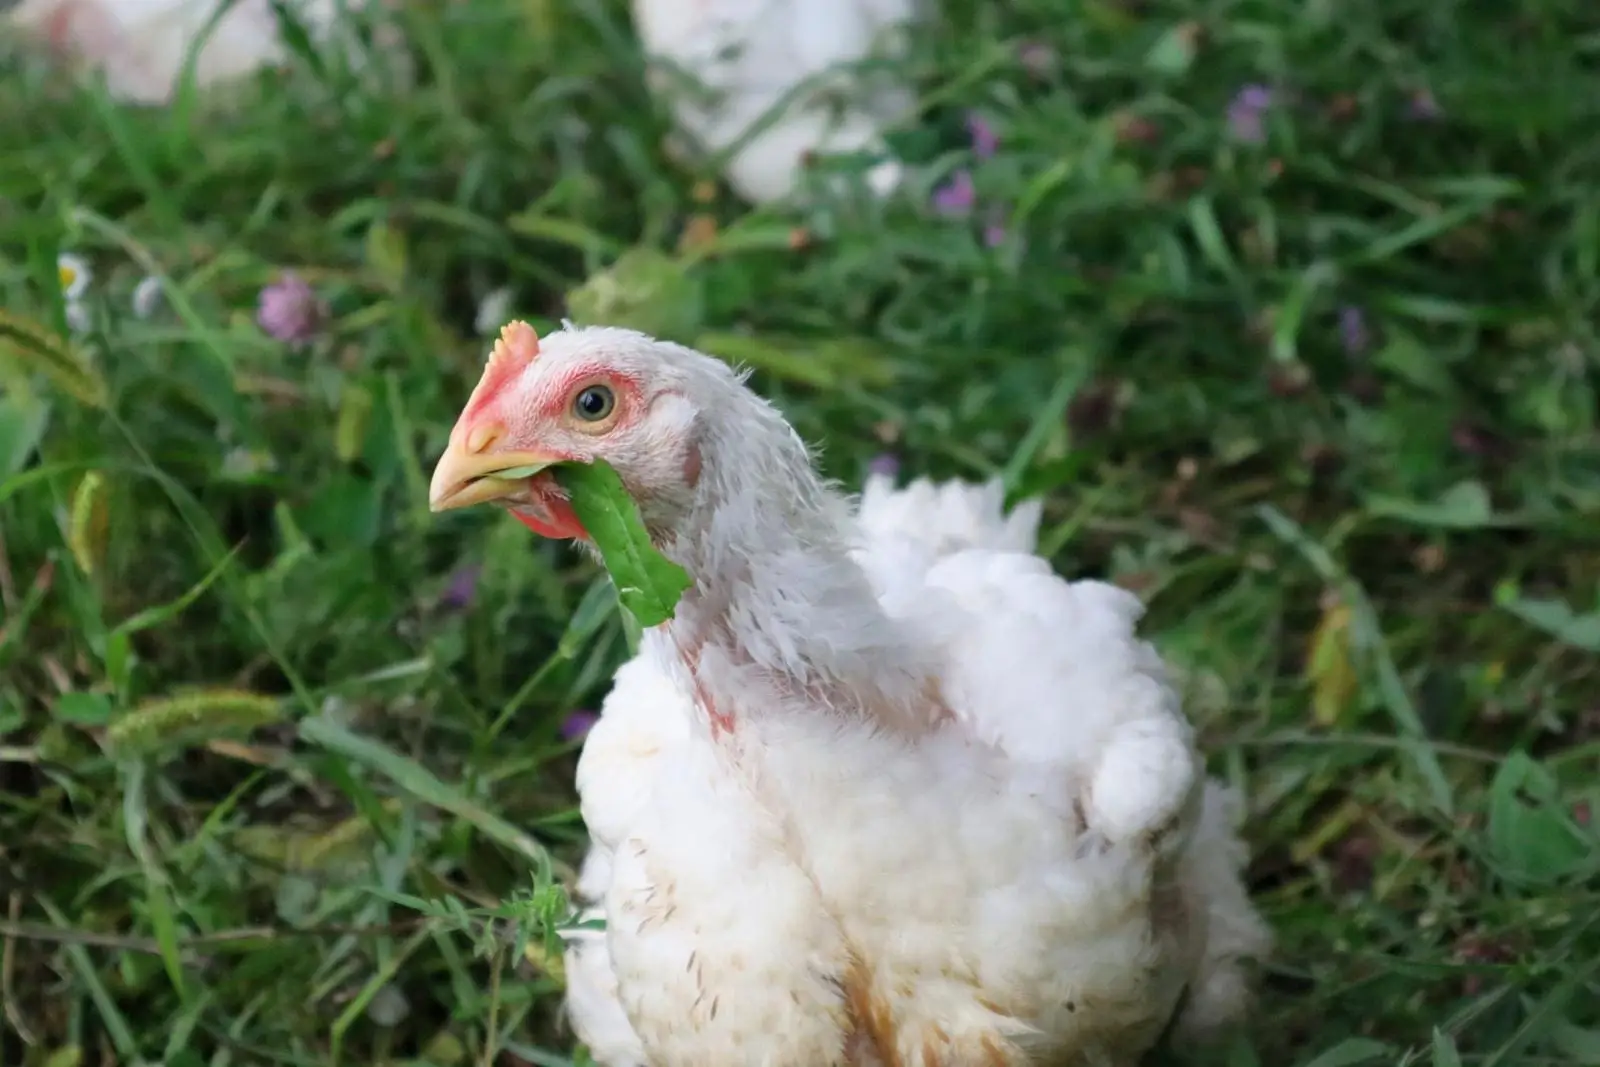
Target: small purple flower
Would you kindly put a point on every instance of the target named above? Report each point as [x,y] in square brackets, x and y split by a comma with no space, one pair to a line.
[884,463]
[985,141]
[994,230]
[578,724]
[1247,114]
[461,589]
[289,310]
[1255,97]
[1423,107]
[1353,330]
[956,196]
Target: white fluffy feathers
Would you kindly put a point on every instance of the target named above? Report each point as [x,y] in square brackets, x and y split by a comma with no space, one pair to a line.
[1040,881]
[763,75]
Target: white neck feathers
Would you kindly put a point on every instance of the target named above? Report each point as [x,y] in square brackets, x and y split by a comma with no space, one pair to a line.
[780,613]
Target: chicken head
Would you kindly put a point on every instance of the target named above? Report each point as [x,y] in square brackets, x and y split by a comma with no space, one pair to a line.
[575,399]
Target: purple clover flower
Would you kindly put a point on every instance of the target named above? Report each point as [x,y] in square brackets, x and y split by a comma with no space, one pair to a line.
[576,725]
[1247,114]
[462,588]
[957,196]
[884,463]
[985,141]
[289,310]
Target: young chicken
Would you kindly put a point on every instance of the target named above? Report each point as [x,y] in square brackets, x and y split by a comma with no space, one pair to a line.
[940,810]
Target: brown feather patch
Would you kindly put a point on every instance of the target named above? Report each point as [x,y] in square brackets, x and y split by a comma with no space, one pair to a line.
[870,1016]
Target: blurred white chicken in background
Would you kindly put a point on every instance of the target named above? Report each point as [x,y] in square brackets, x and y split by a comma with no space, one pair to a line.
[772,77]
[141,45]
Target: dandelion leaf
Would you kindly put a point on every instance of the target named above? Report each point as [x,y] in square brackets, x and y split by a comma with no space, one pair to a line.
[648,584]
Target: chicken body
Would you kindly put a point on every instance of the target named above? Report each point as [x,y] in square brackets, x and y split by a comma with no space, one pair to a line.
[727,66]
[1017,934]
[886,791]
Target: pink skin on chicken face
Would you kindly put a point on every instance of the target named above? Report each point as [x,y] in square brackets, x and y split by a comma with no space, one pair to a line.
[499,432]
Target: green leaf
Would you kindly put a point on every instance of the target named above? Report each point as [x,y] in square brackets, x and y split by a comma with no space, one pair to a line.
[1555,618]
[1464,506]
[1577,1044]
[84,709]
[1405,356]
[1444,1050]
[648,584]
[386,255]
[1531,833]
[294,35]
[1292,309]
[355,413]
[22,424]
[768,358]
[542,227]
[67,1056]
[644,290]
[158,898]
[1174,51]
[346,511]
[1350,1051]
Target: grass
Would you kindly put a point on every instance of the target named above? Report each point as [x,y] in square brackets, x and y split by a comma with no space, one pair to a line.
[274,788]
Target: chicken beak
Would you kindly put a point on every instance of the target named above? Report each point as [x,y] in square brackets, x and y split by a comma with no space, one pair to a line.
[464,477]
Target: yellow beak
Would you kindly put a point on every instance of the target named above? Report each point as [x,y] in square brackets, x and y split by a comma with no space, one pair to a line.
[464,477]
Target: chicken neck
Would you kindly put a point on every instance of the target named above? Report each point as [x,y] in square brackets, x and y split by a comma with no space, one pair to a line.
[780,615]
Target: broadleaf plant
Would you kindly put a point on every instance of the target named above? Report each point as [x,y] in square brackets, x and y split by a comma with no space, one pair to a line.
[649,585]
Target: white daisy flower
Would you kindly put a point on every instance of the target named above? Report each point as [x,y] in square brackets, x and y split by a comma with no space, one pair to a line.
[79,318]
[147,297]
[74,275]
[493,310]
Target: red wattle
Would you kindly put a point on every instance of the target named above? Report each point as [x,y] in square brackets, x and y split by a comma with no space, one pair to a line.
[563,524]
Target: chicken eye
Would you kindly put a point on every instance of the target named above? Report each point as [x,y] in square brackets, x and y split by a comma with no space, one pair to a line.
[594,403]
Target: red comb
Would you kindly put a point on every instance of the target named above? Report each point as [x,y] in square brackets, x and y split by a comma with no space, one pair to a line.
[517,347]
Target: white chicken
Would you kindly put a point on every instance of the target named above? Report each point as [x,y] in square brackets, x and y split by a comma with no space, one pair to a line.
[141,46]
[886,791]
[770,81]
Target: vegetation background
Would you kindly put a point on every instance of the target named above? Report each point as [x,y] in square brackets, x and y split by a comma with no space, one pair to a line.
[1289,310]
